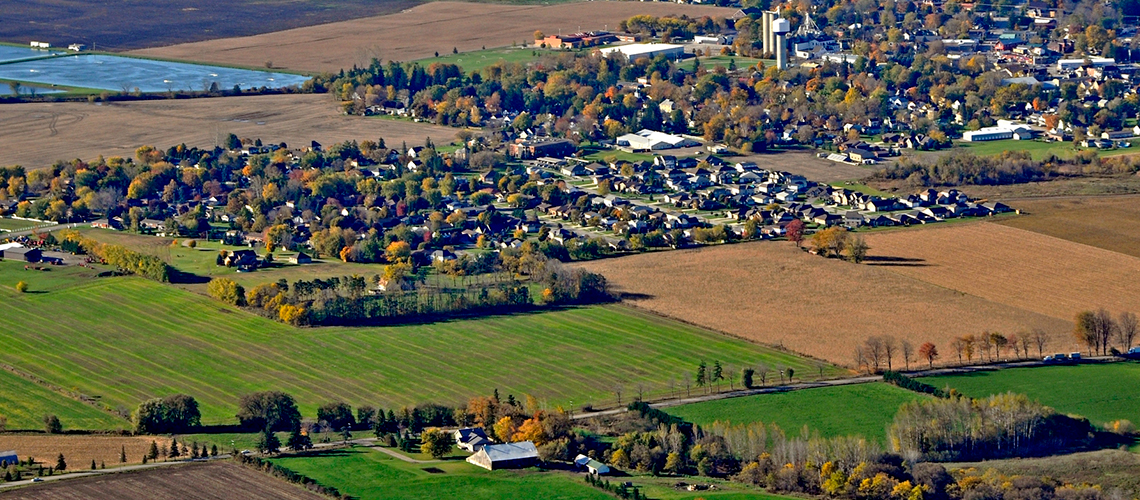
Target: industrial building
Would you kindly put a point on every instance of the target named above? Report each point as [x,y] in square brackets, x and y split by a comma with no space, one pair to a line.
[637,51]
[1005,129]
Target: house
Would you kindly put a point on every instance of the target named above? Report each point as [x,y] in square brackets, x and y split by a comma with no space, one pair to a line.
[471,439]
[555,148]
[590,465]
[301,258]
[574,170]
[21,253]
[505,456]
[240,258]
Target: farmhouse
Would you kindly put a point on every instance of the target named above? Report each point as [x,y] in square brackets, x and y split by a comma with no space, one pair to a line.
[21,253]
[505,456]
[471,439]
[637,51]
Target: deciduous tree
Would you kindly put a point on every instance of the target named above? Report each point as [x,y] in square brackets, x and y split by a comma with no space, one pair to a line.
[929,352]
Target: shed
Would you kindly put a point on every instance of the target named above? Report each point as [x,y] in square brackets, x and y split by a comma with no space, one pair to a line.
[9,457]
[23,254]
[505,456]
[592,466]
[301,258]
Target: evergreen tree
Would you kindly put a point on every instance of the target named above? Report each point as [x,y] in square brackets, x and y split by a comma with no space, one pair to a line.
[213,450]
[152,454]
[60,463]
[174,453]
[93,466]
[123,454]
[298,440]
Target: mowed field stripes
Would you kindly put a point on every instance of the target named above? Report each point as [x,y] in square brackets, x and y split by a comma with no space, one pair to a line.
[124,340]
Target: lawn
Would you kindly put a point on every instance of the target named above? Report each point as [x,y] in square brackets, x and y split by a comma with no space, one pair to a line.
[24,403]
[1038,149]
[862,409]
[125,339]
[479,59]
[368,474]
[741,62]
[601,155]
[1100,392]
[16,224]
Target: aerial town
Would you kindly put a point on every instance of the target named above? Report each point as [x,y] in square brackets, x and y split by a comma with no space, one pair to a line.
[841,249]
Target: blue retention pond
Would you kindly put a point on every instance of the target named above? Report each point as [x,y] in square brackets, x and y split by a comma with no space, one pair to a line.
[117,73]
[12,53]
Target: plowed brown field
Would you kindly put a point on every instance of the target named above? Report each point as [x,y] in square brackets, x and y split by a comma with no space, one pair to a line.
[36,135]
[79,451]
[418,33]
[1108,222]
[221,480]
[926,284]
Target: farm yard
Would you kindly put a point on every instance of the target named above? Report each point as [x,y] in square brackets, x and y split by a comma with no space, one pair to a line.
[219,480]
[1108,222]
[867,410]
[80,450]
[1015,268]
[39,134]
[215,353]
[369,474]
[1100,392]
[772,293]
[400,36]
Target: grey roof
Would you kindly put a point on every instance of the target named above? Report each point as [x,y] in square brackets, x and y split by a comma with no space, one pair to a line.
[510,451]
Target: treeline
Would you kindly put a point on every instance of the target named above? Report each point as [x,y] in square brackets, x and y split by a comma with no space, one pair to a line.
[127,260]
[910,384]
[288,475]
[1000,426]
[670,27]
[347,300]
[1008,167]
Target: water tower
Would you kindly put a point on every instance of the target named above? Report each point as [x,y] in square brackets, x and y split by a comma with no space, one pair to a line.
[780,28]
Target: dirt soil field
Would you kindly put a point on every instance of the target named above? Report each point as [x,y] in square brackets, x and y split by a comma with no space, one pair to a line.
[79,450]
[772,293]
[101,22]
[36,135]
[1016,268]
[418,33]
[220,480]
[1108,222]
[806,164]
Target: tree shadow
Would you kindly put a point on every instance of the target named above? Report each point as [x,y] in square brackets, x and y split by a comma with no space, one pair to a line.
[886,261]
[636,296]
[184,278]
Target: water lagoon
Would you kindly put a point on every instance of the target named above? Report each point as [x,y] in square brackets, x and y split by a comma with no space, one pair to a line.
[12,53]
[117,73]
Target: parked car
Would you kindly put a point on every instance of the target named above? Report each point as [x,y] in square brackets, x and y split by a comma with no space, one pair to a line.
[1076,356]
[1056,358]
[1134,350]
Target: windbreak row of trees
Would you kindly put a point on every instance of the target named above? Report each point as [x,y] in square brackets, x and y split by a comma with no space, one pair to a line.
[127,260]
[1008,167]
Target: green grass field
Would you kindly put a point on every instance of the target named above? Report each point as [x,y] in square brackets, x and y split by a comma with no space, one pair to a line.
[24,403]
[741,62]
[862,409]
[16,224]
[369,474]
[1038,149]
[125,339]
[479,59]
[1101,393]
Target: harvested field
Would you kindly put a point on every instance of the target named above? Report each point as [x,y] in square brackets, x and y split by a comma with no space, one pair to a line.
[79,450]
[1108,222]
[770,292]
[101,21]
[1014,268]
[38,134]
[219,480]
[401,36]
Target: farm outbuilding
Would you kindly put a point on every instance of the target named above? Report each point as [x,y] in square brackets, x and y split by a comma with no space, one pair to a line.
[21,253]
[9,457]
[505,456]
[591,466]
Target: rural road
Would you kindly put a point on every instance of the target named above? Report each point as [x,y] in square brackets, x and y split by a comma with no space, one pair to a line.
[44,229]
[125,468]
[835,383]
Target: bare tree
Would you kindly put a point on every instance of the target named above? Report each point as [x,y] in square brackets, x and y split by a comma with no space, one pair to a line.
[1105,327]
[873,350]
[862,359]
[907,352]
[1040,339]
[986,343]
[762,370]
[688,385]
[959,346]
[1126,330]
[1024,339]
[640,391]
[617,392]
[890,347]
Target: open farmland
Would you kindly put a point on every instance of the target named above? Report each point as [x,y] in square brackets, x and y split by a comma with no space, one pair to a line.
[1108,222]
[220,480]
[100,22]
[1101,392]
[1014,268]
[80,450]
[24,403]
[848,410]
[770,292]
[1107,468]
[38,134]
[806,164]
[418,33]
[129,339]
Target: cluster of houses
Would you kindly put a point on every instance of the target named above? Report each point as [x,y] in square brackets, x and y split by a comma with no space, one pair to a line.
[491,456]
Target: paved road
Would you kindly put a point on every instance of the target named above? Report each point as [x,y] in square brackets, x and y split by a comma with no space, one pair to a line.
[835,383]
[45,229]
[125,468]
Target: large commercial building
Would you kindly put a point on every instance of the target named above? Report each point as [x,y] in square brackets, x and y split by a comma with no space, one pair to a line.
[650,140]
[1005,129]
[637,51]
